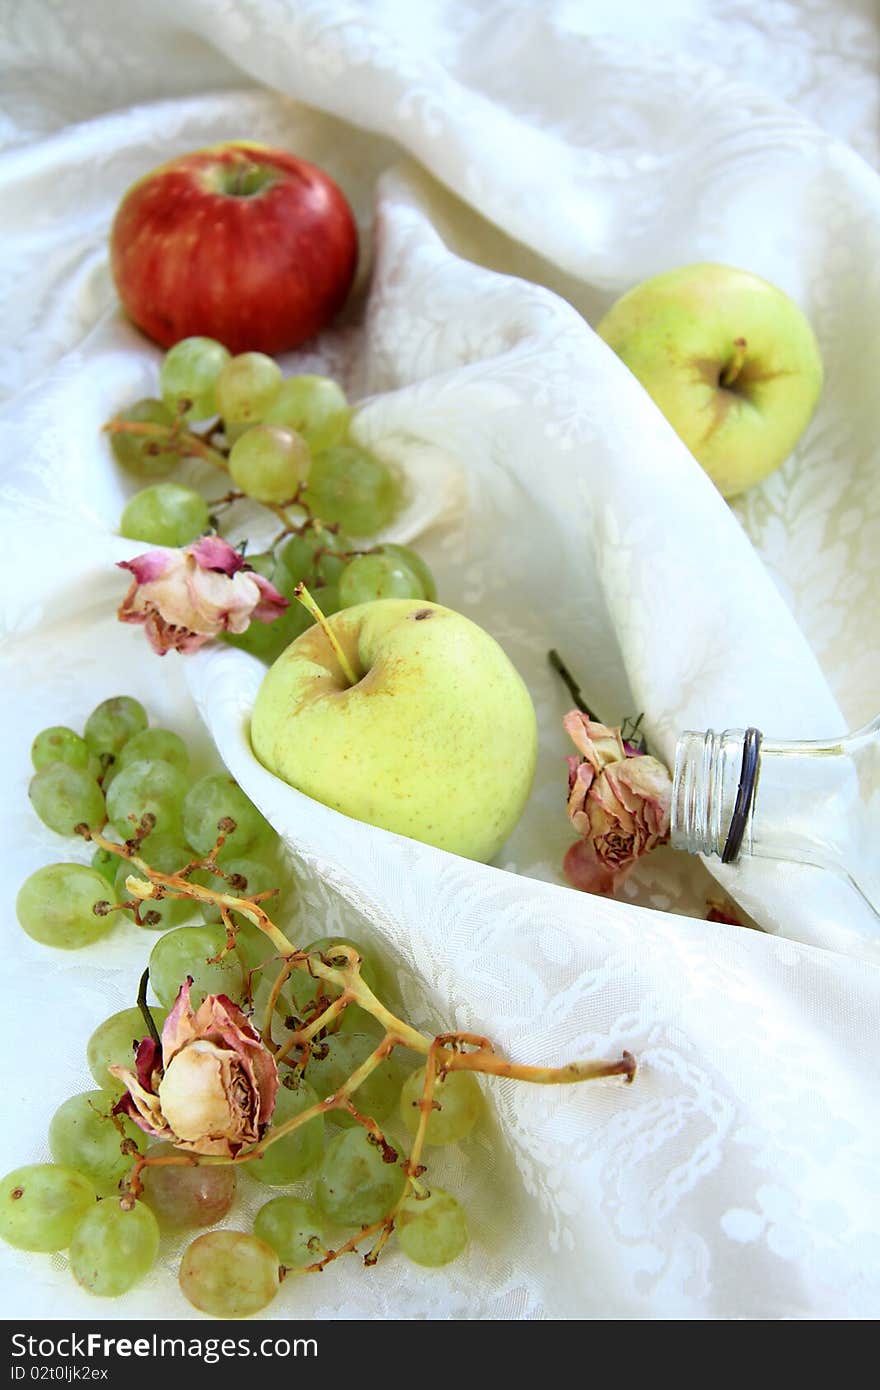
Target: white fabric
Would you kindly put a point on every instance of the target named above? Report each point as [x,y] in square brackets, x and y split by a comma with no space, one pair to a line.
[514,167]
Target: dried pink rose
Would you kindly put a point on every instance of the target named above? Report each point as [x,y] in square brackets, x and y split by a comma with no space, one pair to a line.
[213,1089]
[595,742]
[186,597]
[618,802]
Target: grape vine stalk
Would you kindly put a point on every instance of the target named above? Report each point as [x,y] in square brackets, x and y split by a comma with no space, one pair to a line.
[340,970]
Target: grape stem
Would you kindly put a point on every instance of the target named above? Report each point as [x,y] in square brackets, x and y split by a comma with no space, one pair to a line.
[340,968]
[272,1002]
[226,500]
[346,977]
[183,440]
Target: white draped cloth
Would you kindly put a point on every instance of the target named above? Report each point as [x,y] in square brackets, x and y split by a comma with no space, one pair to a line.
[513,168]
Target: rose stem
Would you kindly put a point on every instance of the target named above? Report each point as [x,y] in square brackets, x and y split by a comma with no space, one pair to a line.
[145,1009]
[305,598]
[571,684]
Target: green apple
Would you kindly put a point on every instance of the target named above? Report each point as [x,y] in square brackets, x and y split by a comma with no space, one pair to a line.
[436,738]
[728,358]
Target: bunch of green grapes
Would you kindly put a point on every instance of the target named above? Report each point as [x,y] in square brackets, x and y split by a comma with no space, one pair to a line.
[336,1179]
[118,772]
[333,1177]
[283,442]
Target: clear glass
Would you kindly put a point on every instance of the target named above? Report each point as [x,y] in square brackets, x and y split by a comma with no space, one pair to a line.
[814,802]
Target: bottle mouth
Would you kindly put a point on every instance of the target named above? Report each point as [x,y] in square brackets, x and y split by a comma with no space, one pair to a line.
[713,791]
[745,795]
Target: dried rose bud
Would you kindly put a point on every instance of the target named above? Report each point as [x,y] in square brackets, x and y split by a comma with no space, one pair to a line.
[595,742]
[186,597]
[721,911]
[618,802]
[215,1088]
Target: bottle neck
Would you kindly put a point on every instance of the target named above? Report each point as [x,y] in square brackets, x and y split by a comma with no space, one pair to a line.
[808,802]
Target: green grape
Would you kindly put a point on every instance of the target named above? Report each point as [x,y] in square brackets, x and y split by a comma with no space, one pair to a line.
[263,562]
[246,877]
[61,745]
[327,598]
[418,566]
[113,1248]
[112,723]
[114,1043]
[314,406]
[247,387]
[258,957]
[320,582]
[55,906]
[268,640]
[460,1100]
[293,1229]
[432,1230]
[332,1063]
[219,797]
[41,1205]
[254,947]
[183,1196]
[165,514]
[229,1274]
[357,1020]
[369,577]
[145,455]
[306,990]
[355,1186]
[353,487]
[147,788]
[167,855]
[83,1136]
[315,554]
[189,374]
[269,463]
[106,864]
[187,951]
[296,1153]
[155,745]
[65,797]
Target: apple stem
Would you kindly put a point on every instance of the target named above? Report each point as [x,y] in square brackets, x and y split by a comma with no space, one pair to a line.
[734,364]
[305,598]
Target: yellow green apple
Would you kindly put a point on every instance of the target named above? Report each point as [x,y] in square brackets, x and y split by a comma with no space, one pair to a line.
[431,733]
[729,359]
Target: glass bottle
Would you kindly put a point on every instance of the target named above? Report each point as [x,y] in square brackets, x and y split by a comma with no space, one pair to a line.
[736,793]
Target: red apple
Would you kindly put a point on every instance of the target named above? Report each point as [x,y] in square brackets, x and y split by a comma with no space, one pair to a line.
[238,242]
